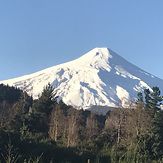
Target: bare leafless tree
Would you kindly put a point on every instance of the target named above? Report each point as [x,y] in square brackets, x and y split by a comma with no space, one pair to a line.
[73,127]
[57,121]
[115,123]
[91,126]
[4,113]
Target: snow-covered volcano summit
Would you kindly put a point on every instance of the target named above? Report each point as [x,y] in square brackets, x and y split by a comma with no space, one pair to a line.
[100,77]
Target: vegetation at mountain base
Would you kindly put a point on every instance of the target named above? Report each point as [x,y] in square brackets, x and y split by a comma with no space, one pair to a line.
[48,131]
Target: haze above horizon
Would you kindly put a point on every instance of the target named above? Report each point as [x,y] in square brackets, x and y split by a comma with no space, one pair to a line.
[35,35]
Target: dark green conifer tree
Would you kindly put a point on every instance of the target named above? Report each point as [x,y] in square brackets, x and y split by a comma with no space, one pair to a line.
[43,107]
[147,98]
[153,100]
[46,101]
[156,136]
[140,97]
[156,99]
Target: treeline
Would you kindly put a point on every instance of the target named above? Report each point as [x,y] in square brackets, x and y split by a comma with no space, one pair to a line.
[9,94]
[45,130]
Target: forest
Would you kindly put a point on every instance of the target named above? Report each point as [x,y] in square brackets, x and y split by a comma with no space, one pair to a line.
[45,130]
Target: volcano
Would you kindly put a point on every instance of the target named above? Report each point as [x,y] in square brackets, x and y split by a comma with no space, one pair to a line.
[98,78]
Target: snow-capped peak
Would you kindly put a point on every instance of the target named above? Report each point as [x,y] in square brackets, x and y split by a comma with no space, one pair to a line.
[96,58]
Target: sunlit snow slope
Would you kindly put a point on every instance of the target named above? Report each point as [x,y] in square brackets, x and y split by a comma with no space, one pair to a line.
[100,77]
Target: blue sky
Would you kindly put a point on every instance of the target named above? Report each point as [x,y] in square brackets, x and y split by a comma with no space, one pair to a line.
[36,34]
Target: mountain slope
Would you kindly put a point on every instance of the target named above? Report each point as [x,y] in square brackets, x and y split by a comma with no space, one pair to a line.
[100,77]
